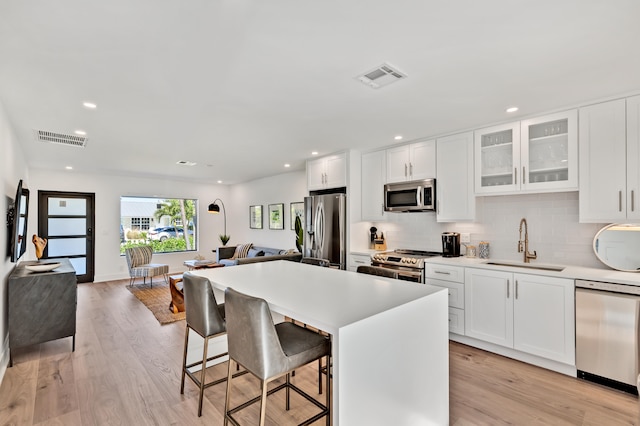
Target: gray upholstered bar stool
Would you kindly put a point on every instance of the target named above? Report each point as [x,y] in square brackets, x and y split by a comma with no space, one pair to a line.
[315,261]
[270,351]
[205,317]
[378,271]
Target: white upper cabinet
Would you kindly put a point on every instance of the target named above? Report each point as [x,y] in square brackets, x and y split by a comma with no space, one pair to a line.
[536,155]
[411,162]
[454,178]
[327,172]
[373,172]
[609,161]
[497,154]
[549,152]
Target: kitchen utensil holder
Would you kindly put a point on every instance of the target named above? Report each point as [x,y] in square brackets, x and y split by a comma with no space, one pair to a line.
[483,250]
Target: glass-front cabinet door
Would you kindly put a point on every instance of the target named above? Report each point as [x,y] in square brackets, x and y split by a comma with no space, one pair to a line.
[549,152]
[497,156]
[536,155]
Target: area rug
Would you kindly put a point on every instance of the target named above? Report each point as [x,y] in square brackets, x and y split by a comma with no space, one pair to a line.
[157,299]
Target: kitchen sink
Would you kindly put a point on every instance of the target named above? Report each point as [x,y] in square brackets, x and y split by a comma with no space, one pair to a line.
[528,266]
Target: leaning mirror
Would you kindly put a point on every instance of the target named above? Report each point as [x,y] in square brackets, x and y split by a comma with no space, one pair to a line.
[618,246]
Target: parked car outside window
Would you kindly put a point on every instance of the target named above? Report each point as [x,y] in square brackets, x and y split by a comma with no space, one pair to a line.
[165,232]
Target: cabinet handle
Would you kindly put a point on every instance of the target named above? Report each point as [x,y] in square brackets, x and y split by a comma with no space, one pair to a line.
[438,210]
[633,201]
[516,289]
[442,272]
[410,169]
[524,176]
[507,289]
[405,169]
[619,201]
[515,175]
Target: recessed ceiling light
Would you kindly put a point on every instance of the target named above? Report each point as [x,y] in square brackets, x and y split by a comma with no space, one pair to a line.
[90,105]
[69,168]
[314,153]
[185,163]
[287,165]
[512,109]
[219,181]
[80,132]
[398,138]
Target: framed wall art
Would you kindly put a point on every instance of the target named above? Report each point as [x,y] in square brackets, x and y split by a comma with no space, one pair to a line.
[255,217]
[276,216]
[296,209]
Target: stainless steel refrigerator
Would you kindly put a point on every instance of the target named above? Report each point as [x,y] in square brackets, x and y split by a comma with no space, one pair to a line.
[325,228]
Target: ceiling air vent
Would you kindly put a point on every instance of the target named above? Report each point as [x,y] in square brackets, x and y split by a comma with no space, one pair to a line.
[61,138]
[381,76]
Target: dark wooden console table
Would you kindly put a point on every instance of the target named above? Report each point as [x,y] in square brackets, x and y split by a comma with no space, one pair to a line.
[41,305]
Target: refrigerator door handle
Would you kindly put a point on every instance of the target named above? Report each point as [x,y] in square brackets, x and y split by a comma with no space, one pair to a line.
[319,227]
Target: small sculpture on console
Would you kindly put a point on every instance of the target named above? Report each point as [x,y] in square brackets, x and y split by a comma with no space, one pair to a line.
[40,244]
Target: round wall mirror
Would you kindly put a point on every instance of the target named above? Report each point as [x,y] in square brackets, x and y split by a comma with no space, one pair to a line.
[618,246]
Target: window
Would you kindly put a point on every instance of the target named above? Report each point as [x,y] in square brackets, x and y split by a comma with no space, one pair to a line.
[140,223]
[159,223]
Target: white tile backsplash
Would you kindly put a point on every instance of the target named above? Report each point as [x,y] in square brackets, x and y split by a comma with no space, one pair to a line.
[554,231]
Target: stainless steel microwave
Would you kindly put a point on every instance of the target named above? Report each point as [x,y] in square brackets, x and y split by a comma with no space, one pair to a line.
[414,196]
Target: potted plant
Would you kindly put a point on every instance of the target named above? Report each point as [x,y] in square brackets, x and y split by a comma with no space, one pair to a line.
[299,233]
[224,239]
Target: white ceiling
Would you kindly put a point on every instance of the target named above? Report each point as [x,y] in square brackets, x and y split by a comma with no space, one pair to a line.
[242,87]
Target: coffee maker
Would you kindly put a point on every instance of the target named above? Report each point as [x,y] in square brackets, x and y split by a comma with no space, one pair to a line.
[450,244]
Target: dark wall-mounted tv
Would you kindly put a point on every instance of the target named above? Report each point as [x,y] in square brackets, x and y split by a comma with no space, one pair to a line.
[17,223]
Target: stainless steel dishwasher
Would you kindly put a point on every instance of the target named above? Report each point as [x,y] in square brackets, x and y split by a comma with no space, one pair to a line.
[607,333]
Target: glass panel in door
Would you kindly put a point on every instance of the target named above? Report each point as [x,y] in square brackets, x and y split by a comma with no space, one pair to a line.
[496,162]
[548,151]
[66,220]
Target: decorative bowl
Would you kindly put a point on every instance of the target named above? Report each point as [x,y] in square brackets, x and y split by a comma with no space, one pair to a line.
[42,267]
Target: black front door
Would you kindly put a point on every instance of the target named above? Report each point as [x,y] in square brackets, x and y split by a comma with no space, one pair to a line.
[66,220]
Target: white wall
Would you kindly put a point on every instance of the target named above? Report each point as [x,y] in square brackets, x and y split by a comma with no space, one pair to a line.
[554,231]
[12,169]
[285,188]
[108,189]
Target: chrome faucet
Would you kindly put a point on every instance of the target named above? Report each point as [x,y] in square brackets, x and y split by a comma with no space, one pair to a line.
[527,256]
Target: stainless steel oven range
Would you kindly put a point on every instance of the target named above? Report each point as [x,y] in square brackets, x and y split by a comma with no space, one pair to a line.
[408,263]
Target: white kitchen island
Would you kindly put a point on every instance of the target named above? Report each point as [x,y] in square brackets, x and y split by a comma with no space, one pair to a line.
[390,337]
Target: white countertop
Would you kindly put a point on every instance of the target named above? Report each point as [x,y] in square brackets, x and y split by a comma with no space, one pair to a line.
[328,298]
[570,272]
[367,252]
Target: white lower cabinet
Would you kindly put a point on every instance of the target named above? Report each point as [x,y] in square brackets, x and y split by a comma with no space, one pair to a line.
[451,277]
[357,259]
[529,313]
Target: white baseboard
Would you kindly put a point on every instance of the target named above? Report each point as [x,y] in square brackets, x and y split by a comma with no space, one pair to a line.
[559,367]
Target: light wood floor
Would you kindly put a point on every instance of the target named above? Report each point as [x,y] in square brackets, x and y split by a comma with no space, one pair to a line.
[126,371]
